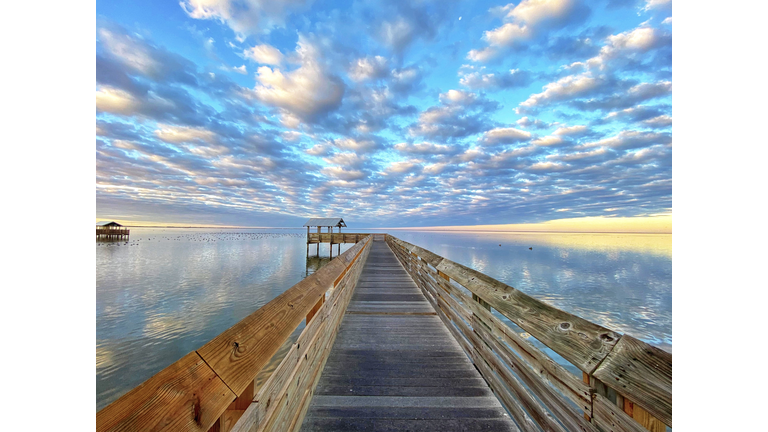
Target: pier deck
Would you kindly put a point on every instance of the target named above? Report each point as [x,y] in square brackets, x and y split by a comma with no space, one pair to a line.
[395,366]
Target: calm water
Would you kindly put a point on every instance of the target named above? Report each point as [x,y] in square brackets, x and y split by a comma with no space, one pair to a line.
[166,292]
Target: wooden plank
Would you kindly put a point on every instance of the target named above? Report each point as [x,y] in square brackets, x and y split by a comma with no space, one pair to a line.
[610,418]
[642,373]
[522,419]
[186,395]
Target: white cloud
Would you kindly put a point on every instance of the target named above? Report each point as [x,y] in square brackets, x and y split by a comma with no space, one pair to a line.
[504,136]
[343,174]
[115,101]
[304,93]
[579,130]
[424,148]
[565,88]
[526,21]
[482,55]
[457,97]
[181,134]
[357,145]
[548,141]
[657,4]
[244,17]
[659,121]
[368,68]
[264,54]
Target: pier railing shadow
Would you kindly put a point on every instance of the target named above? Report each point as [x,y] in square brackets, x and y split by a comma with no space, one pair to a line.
[215,387]
[626,384]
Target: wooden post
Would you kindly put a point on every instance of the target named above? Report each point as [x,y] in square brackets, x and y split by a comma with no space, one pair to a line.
[585,380]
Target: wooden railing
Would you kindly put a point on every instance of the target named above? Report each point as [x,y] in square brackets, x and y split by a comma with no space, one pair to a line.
[626,383]
[213,388]
[335,238]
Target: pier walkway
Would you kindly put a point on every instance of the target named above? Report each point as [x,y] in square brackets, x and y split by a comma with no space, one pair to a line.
[395,366]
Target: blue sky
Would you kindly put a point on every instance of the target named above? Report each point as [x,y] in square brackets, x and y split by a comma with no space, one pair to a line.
[388,113]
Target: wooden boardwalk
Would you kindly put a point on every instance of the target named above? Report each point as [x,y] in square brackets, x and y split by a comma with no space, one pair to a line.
[395,366]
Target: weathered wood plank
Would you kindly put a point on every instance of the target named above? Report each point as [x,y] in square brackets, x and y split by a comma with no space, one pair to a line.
[641,373]
[186,395]
[611,418]
[643,417]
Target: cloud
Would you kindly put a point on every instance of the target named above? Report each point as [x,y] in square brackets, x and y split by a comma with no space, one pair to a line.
[629,139]
[513,78]
[633,96]
[526,122]
[528,21]
[573,131]
[661,121]
[264,54]
[180,134]
[425,148]
[504,136]
[244,17]
[306,93]
[369,68]
[460,114]
[549,141]
[405,80]
[569,87]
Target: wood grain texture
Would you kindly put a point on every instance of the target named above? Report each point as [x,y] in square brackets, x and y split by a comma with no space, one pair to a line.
[641,373]
[611,418]
[186,395]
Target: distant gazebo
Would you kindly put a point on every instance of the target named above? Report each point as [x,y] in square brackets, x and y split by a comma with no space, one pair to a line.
[111,230]
[328,237]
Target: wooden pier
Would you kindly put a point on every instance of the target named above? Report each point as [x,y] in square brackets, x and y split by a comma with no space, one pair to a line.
[111,231]
[399,338]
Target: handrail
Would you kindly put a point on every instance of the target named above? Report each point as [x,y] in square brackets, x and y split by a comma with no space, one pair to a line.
[627,383]
[214,385]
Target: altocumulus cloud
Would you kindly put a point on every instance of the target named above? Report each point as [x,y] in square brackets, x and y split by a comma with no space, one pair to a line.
[518,112]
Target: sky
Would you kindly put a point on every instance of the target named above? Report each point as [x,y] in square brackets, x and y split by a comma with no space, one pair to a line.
[387,113]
